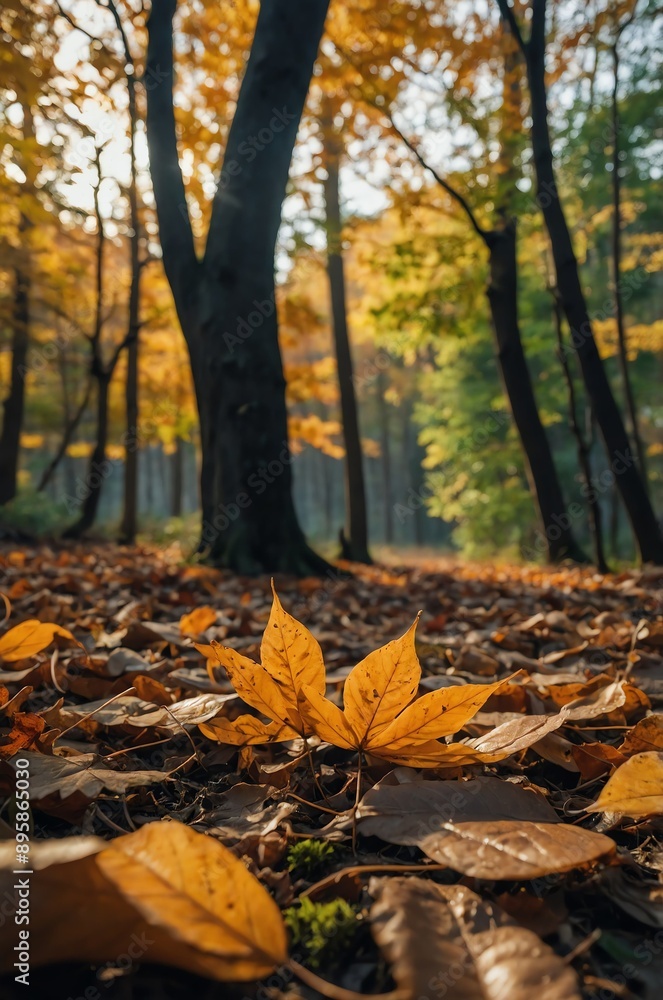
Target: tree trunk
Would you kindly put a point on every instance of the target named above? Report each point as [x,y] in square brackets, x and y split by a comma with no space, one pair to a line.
[582,448]
[385,455]
[623,465]
[177,478]
[70,428]
[503,300]
[226,303]
[14,404]
[354,538]
[629,396]
[129,523]
[99,467]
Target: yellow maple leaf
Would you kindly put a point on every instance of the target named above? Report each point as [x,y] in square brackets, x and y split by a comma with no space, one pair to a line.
[291,658]
[381,717]
[381,713]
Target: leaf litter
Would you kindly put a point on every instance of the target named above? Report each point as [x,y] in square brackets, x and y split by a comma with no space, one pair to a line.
[464,759]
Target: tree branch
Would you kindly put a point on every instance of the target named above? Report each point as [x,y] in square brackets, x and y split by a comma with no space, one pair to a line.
[456,195]
[506,10]
[175,233]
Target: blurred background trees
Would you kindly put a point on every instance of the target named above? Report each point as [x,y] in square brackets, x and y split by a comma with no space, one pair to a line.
[416,113]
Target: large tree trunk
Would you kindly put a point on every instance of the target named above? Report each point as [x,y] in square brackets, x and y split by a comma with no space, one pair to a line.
[354,538]
[226,303]
[624,467]
[99,467]
[14,404]
[177,478]
[503,299]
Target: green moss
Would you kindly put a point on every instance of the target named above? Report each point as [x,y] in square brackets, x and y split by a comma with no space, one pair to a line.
[322,933]
[308,858]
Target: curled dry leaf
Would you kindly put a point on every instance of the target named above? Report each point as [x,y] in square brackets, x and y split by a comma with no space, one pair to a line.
[445,940]
[29,638]
[179,897]
[635,789]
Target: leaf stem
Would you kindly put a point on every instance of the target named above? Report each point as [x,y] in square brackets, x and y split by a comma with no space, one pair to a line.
[333,992]
[356,806]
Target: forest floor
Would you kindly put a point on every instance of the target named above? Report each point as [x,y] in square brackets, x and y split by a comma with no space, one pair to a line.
[526,861]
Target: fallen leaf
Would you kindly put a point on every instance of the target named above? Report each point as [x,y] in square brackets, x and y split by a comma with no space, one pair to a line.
[635,789]
[445,940]
[29,638]
[504,849]
[85,774]
[197,621]
[182,896]
[380,718]
[645,735]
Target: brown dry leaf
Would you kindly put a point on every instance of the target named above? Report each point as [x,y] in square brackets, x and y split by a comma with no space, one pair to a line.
[85,774]
[405,813]
[505,849]
[184,897]
[645,735]
[484,827]
[635,789]
[595,759]
[445,940]
[516,734]
[29,638]
[26,729]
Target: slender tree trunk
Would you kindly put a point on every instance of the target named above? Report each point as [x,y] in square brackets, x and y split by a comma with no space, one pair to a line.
[69,430]
[641,514]
[14,404]
[226,303]
[583,449]
[177,478]
[129,523]
[629,396]
[503,300]
[385,456]
[99,467]
[354,538]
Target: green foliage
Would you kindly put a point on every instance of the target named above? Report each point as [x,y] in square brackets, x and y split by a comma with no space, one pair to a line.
[32,514]
[322,932]
[307,857]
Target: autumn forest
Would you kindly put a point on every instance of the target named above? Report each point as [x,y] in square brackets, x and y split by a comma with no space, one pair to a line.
[331,498]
